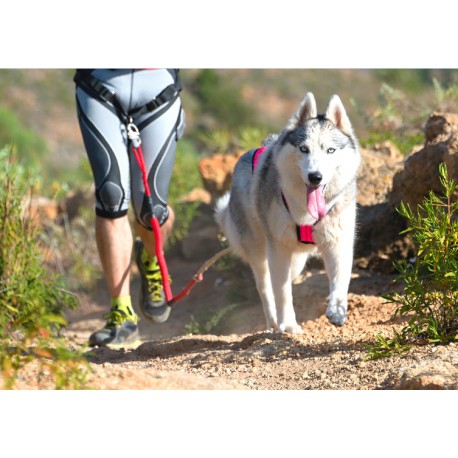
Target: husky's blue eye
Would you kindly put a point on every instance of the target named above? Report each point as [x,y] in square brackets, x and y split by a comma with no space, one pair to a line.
[304,149]
[330,150]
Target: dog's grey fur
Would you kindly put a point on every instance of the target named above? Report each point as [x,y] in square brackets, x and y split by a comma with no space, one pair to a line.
[262,231]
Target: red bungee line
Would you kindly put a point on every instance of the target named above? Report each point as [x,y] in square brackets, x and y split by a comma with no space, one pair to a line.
[138,152]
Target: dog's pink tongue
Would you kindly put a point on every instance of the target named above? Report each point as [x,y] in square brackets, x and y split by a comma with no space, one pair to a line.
[315,202]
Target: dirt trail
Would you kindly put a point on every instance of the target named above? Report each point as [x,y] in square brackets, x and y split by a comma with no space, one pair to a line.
[234,353]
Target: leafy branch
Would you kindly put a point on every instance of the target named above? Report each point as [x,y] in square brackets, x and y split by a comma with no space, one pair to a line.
[429,300]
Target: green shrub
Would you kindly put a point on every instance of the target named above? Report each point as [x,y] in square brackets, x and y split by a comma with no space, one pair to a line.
[429,301]
[222,100]
[226,140]
[251,137]
[410,79]
[72,250]
[32,302]
[217,140]
[208,320]
[32,147]
[405,142]
[446,97]
[397,119]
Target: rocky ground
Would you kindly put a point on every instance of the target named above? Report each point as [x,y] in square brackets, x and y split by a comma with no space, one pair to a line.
[232,352]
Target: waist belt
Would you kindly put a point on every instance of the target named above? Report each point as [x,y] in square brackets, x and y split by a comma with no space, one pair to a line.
[96,88]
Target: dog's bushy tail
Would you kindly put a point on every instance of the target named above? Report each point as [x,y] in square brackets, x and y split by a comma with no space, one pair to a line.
[221,208]
[270,139]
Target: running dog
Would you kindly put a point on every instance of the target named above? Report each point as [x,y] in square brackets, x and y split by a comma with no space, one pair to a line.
[292,198]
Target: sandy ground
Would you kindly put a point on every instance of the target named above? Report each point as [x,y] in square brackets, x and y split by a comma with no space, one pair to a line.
[235,353]
[227,390]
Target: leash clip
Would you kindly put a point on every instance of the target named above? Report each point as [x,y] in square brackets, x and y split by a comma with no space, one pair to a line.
[133,133]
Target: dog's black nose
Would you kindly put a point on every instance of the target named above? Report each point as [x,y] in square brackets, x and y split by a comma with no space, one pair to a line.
[315,178]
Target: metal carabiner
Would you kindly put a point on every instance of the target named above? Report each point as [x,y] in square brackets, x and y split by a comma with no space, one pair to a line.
[133,133]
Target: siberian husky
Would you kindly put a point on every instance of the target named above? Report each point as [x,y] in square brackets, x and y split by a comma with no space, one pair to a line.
[292,198]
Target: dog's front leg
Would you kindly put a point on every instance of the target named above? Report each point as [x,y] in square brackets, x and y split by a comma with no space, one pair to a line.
[338,261]
[264,286]
[280,260]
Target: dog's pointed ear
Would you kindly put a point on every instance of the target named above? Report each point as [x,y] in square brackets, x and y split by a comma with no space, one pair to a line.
[336,113]
[306,110]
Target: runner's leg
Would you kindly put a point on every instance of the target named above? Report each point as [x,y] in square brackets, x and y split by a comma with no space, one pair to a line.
[107,152]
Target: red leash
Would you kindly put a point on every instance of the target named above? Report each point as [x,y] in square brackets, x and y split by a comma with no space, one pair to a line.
[134,136]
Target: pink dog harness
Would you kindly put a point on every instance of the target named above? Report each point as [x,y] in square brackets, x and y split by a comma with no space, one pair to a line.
[304,232]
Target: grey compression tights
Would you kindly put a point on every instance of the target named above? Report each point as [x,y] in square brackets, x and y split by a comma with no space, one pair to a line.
[117,175]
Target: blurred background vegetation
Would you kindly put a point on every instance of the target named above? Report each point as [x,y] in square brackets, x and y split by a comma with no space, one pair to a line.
[225,109]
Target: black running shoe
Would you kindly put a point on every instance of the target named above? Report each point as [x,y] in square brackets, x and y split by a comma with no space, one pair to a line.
[121,329]
[152,299]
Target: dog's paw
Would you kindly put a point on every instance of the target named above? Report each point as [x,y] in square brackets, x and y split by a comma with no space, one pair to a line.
[291,328]
[336,314]
[271,326]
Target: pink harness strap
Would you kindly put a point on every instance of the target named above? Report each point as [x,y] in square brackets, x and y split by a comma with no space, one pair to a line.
[256,155]
[305,232]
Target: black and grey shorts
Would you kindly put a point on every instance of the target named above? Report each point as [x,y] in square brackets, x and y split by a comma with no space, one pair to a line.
[117,176]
